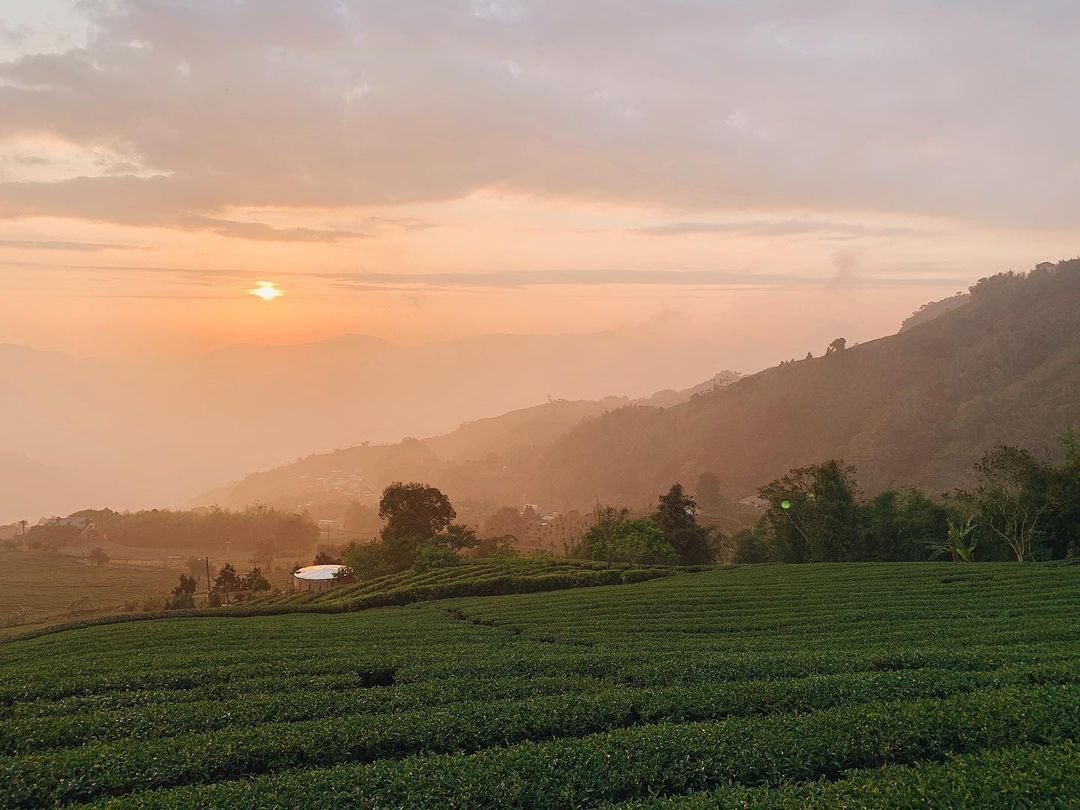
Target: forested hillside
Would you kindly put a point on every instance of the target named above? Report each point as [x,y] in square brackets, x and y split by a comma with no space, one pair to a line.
[490,459]
[918,407]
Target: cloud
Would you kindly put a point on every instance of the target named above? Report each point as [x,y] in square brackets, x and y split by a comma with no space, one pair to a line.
[792,227]
[332,282]
[31,244]
[949,109]
[259,231]
[601,278]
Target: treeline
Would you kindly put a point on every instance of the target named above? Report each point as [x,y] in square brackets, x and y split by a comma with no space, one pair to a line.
[420,533]
[670,535]
[255,527]
[1020,508]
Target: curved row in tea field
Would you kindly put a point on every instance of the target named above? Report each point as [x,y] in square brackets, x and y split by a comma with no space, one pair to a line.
[783,686]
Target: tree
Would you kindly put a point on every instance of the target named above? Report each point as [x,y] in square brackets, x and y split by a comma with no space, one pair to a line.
[1012,497]
[524,525]
[616,537]
[836,346]
[900,525]
[98,556]
[751,546]
[52,536]
[1061,528]
[368,560]
[327,556]
[414,514]
[456,537]
[183,595]
[676,517]
[813,513]
[433,555]
[228,581]
[414,510]
[496,547]
[254,581]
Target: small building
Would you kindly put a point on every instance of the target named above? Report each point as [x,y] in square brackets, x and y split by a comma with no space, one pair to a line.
[319,578]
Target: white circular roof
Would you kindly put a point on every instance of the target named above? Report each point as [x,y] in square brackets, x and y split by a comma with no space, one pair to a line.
[317,571]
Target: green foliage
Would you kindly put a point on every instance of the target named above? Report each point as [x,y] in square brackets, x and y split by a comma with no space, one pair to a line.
[899,525]
[751,546]
[616,537]
[1021,507]
[367,560]
[432,556]
[1011,498]
[813,513]
[959,544]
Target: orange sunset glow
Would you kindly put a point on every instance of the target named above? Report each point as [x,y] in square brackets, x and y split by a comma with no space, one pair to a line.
[539,404]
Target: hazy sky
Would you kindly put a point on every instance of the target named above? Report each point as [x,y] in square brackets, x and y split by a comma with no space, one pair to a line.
[766,173]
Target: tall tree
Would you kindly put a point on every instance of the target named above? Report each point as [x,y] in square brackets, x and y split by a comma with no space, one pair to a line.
[813,513]
[676,516]
[414,510]
[1012,498]
[1061,532]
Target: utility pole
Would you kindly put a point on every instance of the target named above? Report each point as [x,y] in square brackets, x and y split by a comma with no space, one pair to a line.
[207,561]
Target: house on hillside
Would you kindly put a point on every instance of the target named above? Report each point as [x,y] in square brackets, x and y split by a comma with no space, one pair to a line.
[755,502]
[319,578]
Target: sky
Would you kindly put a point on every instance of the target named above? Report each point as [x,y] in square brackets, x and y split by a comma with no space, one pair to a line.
[764,175]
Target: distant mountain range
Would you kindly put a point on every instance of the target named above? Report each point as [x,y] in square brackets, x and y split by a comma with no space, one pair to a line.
[998,365]
[482,459]
[78,433]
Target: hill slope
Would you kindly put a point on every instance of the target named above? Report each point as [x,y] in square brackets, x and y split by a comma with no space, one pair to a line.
[705,686]
[489,459]
[153,431]
[918,407]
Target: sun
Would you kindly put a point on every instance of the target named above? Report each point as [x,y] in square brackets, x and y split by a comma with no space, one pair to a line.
[266,290]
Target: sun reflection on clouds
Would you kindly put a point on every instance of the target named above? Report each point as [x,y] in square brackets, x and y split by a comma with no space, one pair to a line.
[266,290]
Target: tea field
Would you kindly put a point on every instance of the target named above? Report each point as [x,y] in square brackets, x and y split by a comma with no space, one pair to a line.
[484,577]
[848,685]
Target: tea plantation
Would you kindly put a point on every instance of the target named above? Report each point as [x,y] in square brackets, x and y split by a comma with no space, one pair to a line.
[849,685]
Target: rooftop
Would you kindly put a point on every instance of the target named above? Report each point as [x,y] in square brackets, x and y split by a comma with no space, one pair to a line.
[317,571]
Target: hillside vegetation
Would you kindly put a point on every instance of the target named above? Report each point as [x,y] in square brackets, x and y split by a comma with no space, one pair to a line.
[918,408]
[816,685]
[486,459]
